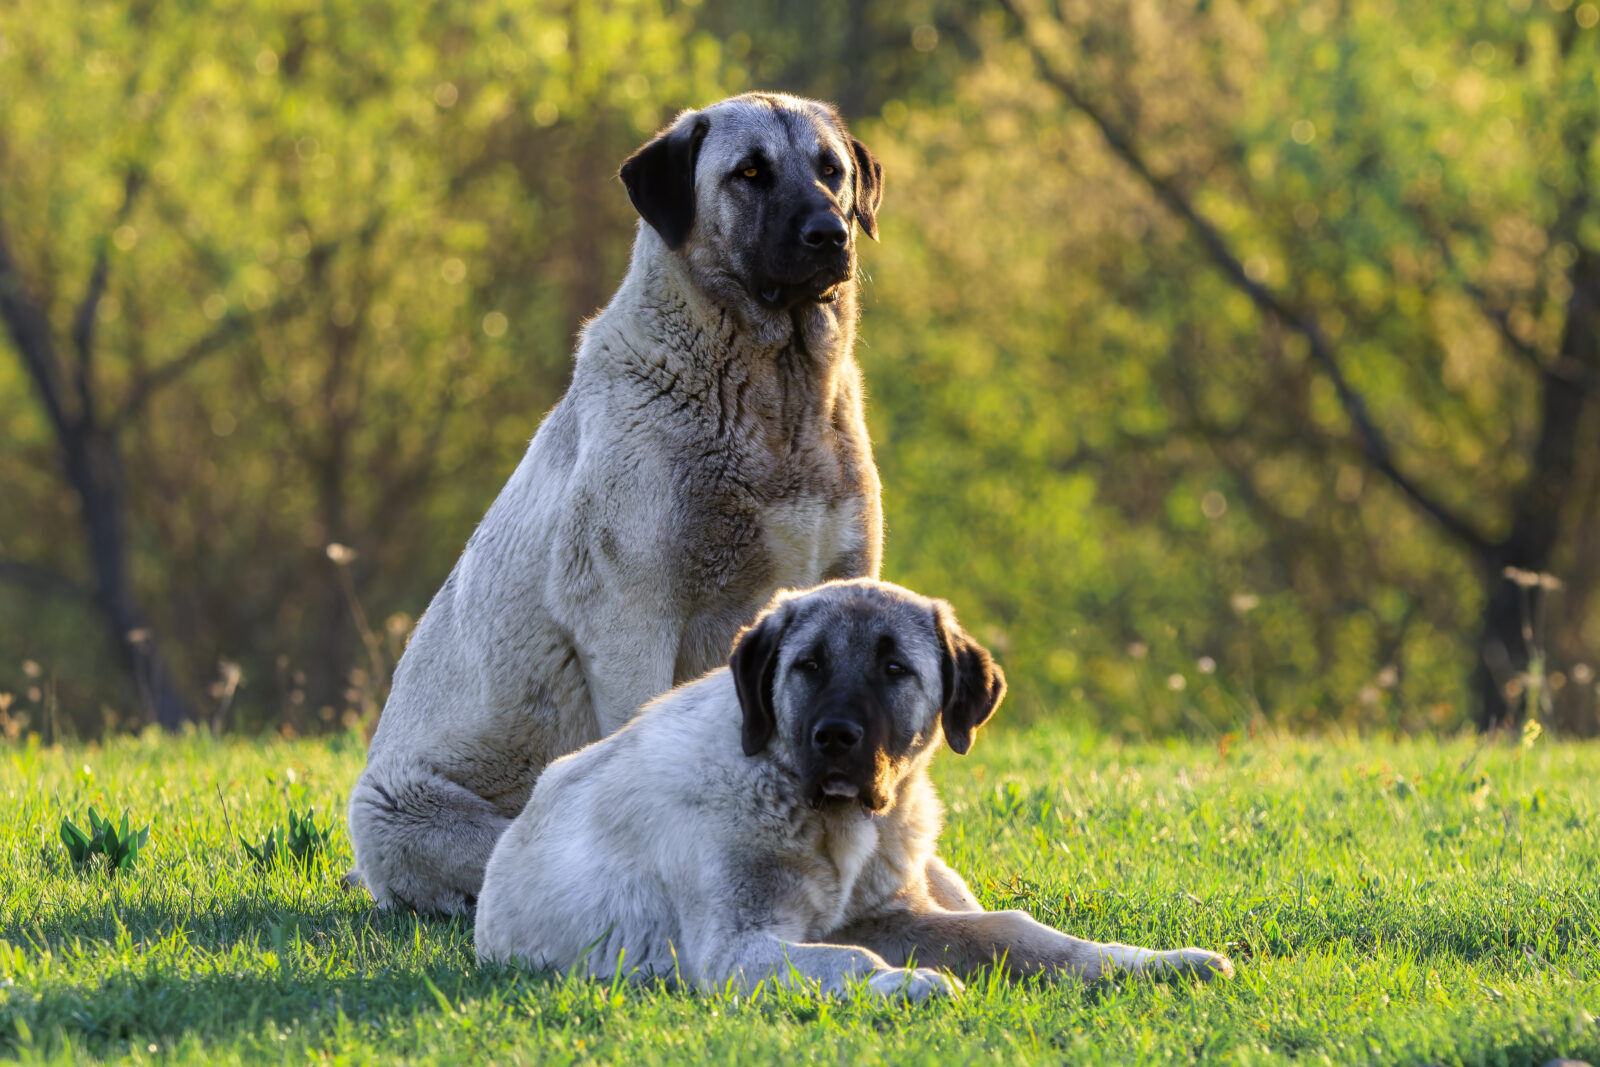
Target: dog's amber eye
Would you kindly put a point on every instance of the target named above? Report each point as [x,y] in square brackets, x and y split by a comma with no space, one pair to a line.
[828,170]
[751,172]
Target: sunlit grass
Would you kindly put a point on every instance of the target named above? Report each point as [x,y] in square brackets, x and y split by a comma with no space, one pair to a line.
[1399,902]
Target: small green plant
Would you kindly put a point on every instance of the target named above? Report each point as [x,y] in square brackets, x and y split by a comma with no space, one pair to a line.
[265,855]
[80,846]
[300,846]
[119,845]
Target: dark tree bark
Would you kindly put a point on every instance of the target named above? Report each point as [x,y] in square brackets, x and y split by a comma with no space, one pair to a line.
[92,464]
[1566,399]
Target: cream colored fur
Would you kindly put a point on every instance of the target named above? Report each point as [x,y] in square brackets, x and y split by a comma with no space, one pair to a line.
[710,450]
[666,850]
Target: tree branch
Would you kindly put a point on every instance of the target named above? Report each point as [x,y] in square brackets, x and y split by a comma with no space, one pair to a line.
[1441,232]
[231,328]
[1375,447]
[30,332]
[83,322]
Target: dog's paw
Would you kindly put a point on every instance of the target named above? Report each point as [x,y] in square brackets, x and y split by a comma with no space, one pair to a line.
[1201,963]
[913,985]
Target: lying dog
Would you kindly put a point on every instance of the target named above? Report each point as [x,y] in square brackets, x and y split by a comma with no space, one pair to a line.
[776,818]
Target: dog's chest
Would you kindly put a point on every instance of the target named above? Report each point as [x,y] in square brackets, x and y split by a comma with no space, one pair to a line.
[839,857]
[804,537]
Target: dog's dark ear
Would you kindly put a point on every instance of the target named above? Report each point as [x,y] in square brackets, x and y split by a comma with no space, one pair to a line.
[973,682]
[753,664]
[660,180]
[869,188]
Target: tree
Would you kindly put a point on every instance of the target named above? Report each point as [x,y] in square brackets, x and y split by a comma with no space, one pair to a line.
[92,463]
[335,288]
[1439,229]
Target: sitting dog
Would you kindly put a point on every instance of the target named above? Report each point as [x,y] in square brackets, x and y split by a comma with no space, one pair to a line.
[775,819]
[710,450]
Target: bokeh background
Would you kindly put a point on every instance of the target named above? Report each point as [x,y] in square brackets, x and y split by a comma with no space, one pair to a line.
[1231,363]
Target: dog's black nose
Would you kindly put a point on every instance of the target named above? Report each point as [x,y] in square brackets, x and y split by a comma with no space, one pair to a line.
[824,229]
[835,737]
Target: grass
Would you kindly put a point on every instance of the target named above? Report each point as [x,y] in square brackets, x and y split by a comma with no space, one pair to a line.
[1400,902]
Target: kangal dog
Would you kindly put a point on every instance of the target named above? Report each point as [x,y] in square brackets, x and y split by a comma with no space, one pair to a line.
[709,451]
[775,819]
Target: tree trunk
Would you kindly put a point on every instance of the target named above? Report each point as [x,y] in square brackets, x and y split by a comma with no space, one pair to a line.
[95,469]
[93,466]
[330,670]
[1510,631]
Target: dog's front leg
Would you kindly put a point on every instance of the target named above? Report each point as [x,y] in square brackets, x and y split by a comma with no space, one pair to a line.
[967,941]
[629,665]
[750,959]
[948,889]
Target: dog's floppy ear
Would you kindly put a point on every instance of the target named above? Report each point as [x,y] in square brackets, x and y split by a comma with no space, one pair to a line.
[973,682]
[869,188]
[753,664]
[660,180]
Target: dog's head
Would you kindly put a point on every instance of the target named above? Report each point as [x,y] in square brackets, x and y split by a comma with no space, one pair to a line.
[851,685]
[763,190]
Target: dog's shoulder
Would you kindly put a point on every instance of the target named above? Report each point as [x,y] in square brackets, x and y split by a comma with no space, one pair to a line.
[680,753]
[684,757]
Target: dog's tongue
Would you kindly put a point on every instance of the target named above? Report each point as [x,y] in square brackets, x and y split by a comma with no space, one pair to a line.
[839,786]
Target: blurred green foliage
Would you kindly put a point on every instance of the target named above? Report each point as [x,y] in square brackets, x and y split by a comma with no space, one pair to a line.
[349,244]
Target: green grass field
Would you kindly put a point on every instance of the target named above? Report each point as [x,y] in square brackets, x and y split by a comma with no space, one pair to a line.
[1410,902]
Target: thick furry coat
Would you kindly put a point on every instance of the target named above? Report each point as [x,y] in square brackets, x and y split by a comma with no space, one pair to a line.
[775,819]
[710,450]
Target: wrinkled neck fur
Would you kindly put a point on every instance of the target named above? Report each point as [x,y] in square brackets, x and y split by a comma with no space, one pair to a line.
[914,818]
[710,320]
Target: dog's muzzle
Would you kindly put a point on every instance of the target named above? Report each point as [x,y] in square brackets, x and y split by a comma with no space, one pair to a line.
[810,263]
[844,767]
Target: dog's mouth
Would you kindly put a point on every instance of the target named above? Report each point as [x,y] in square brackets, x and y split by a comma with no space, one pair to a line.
[838,791]
[838,787]
[820,287]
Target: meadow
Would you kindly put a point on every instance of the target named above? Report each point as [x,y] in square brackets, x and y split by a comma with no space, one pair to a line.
[1412,901]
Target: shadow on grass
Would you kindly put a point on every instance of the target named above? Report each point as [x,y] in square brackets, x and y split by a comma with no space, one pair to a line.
[349,926]
[223,1008]
[259,918]
[157,971]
